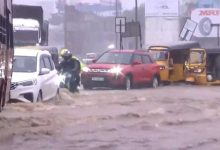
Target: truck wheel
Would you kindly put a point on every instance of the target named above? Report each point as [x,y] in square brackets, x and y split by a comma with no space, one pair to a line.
[2,94]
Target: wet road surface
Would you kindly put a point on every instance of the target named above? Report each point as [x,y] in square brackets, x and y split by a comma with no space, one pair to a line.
[178,117]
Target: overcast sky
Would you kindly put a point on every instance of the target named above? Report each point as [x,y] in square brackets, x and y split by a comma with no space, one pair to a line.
[126,4]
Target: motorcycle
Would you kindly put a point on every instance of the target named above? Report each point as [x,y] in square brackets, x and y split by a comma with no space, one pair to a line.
[68,80]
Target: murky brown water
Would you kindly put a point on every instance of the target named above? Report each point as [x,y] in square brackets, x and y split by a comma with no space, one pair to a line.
[169,118]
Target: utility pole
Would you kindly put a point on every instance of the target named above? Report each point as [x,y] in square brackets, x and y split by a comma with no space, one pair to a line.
[65,13]
[116,15]
[136,20]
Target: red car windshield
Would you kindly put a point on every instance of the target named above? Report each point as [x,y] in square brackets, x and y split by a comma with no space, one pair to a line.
[115,58]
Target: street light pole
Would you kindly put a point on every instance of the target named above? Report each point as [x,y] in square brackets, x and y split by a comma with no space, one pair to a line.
[136,20]
[116,8]
[136,11]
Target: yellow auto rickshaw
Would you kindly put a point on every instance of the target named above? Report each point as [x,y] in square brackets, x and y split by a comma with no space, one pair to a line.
[171,58]
[203,66]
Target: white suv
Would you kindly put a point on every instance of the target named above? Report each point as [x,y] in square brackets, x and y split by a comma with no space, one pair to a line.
[34,76]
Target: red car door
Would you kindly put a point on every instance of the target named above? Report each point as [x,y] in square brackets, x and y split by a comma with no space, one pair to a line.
[148,68]
[137,69]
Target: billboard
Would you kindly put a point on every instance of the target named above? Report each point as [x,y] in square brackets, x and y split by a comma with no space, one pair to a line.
[161,8]
[206,18]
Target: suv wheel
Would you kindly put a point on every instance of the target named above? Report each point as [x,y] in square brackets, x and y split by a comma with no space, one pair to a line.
[128,83]
[155,82]
[39,97]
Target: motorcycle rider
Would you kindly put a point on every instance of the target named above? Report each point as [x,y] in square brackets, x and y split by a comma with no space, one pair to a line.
[70,64]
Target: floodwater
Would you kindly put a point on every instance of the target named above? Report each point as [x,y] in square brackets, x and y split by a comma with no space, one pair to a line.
[177,117]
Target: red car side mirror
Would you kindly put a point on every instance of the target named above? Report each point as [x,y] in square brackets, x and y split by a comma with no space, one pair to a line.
[136,62]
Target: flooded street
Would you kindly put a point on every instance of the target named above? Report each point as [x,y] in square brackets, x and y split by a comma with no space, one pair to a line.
[168,118]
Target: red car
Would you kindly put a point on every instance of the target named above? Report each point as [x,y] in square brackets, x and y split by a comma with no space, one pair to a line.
[121,69]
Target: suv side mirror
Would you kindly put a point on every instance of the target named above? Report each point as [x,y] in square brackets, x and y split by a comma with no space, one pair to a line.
[44,71]
[94,61]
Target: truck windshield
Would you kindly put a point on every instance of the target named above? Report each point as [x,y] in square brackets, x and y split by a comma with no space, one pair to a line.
[26,64]
[115,58]
[196,57]
[158,55]
[24,37]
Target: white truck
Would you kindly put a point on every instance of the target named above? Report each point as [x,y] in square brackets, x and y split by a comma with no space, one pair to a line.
[29,27]
[26,31]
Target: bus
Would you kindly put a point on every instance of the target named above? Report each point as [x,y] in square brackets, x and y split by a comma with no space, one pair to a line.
[6,50]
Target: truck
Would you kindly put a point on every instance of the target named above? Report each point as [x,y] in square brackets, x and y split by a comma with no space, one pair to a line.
[6,51]
[29,26]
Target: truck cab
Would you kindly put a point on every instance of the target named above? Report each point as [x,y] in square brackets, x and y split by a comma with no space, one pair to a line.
[29,26]
[26,31]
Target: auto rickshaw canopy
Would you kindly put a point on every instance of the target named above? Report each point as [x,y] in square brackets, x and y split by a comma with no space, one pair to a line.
[179,45]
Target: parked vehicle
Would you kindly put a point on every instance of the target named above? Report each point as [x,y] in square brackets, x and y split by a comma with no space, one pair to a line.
[34,76]
[203,66]
[51,49]
[6,50]
[172,59]
[121,69]
[29,28]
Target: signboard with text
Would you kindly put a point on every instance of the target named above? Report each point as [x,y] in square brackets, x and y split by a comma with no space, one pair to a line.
[161,8]
[120,24]
[206,17]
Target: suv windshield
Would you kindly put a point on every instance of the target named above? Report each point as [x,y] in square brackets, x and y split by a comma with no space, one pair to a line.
[158,55]
[115,58]
[25,64]
[196,57]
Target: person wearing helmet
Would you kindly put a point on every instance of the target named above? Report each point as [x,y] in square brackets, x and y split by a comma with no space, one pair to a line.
[70,64]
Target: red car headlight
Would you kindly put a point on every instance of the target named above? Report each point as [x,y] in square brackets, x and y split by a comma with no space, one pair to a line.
[115,70]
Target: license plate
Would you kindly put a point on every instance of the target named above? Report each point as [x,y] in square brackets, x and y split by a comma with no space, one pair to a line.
[98,79]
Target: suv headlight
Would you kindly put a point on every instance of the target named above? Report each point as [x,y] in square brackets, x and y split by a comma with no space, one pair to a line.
[115,70]
[28,83]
